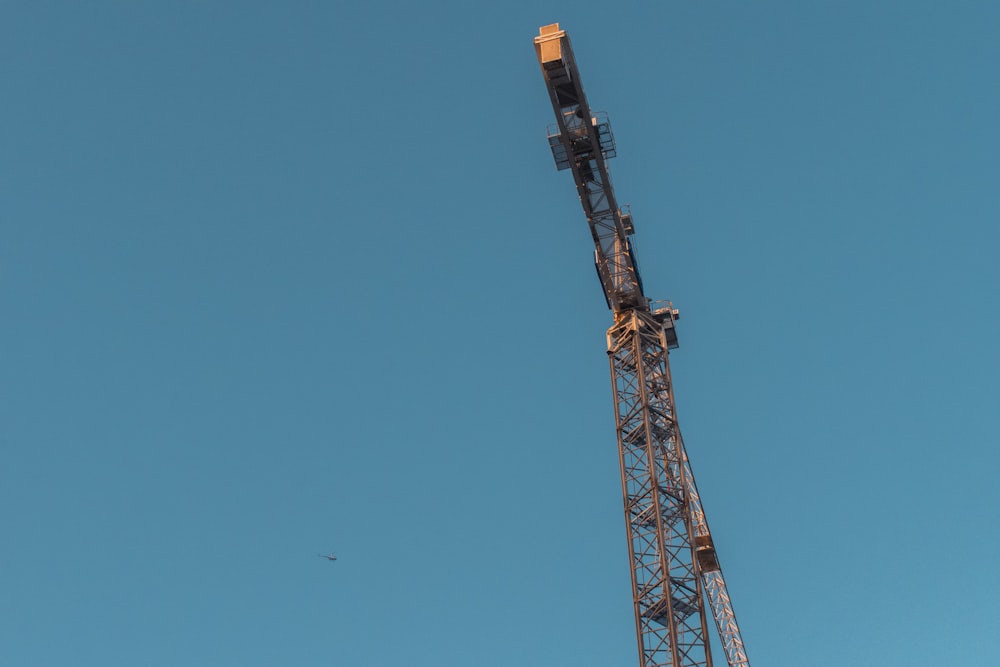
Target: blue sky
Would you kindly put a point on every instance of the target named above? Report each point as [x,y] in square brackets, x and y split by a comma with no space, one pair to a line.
[284,278]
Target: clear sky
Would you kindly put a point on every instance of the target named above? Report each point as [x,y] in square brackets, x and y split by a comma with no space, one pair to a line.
[280,278]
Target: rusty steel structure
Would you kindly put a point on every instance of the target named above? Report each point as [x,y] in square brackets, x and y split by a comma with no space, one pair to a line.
[676,576]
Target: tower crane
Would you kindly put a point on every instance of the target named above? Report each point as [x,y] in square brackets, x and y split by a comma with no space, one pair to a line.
[675,569]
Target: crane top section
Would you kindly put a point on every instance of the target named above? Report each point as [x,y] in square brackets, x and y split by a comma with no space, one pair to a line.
[581,140]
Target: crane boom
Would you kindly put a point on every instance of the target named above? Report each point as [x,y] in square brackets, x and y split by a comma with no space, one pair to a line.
[674,564]
[583,141]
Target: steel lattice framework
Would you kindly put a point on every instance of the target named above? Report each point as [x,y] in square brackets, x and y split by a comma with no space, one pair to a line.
[675,568]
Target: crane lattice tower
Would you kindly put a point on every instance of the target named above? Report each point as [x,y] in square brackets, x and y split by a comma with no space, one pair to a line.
[676,575]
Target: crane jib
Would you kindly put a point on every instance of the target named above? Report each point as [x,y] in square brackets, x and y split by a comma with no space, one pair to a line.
[582,141]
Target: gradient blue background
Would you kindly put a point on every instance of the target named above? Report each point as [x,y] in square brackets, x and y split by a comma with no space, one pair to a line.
[284,278]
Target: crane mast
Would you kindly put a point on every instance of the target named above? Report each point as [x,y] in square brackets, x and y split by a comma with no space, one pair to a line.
[675,569]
